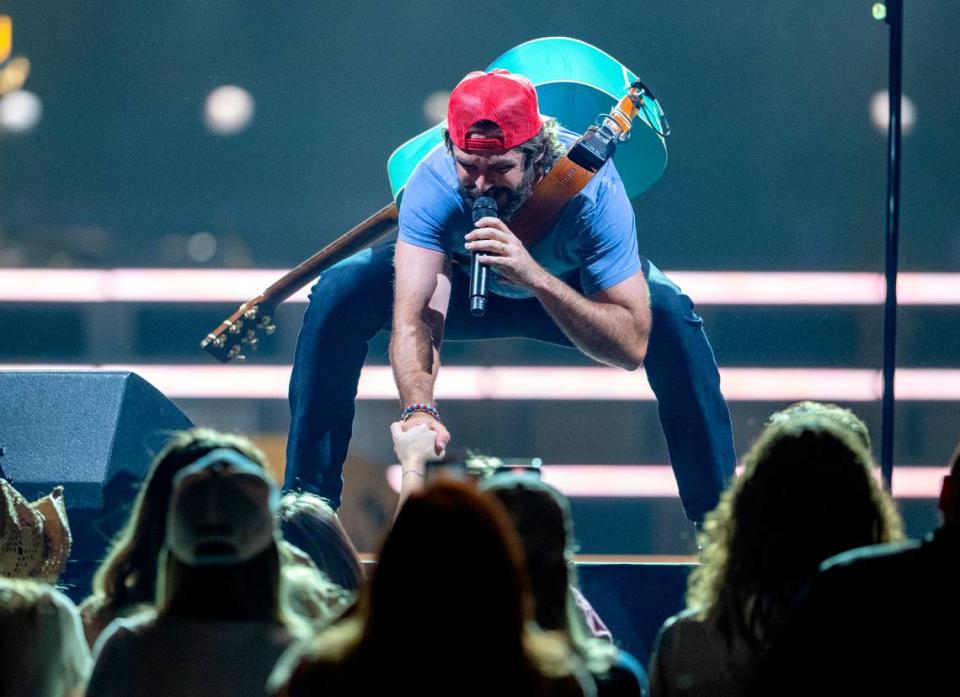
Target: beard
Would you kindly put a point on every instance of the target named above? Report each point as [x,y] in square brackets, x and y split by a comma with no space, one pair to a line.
[508,200]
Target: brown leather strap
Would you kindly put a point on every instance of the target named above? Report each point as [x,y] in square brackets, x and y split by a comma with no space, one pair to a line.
[539,212]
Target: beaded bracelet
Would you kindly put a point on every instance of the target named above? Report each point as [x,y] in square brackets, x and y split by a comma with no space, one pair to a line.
[419,407]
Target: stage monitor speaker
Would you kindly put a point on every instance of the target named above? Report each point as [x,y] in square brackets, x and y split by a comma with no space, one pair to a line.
[93,432]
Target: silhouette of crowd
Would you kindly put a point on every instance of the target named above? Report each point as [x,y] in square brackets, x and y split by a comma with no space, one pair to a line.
[221,584]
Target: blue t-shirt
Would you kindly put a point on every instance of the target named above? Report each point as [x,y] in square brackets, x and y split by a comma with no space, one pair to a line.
[594,241]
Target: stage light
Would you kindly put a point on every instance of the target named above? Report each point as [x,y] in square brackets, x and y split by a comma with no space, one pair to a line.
[880,112]
[879,11]
[658,481]
[228,110]
[435,106]
[236,285]
[14,75]
[6,37]
[462,382]
[202,247]
[19,111]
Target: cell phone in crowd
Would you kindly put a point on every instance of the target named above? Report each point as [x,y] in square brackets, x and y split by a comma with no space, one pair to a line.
[482,466]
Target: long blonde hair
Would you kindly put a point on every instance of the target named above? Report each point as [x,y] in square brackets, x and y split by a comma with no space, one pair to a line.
[808,492]
[42,651]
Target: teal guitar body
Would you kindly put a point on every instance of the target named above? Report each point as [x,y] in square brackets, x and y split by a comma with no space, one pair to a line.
[575,83]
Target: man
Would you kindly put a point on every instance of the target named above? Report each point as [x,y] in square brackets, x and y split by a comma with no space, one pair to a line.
[877,620]
[582,284]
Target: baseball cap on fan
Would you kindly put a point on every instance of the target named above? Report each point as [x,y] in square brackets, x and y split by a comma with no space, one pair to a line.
[222,510]
[507,99]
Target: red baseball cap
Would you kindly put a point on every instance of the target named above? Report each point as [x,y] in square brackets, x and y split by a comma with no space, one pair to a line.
[507,99]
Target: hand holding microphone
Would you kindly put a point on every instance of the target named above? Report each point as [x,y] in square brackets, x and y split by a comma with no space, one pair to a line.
[494,244]
[483,207]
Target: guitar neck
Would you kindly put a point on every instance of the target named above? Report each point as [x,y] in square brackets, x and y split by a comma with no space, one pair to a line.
[359,237]
[239,331]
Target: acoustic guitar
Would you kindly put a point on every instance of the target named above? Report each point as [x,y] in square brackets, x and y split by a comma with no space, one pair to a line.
[575,82]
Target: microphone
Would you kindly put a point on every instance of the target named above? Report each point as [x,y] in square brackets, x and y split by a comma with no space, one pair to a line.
[483,207]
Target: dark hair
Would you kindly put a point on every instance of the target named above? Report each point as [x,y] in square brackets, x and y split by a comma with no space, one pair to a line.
[807,493]
[450,538]
[542,151]
[310,523]
[128,575]
[448,595]
[542,517]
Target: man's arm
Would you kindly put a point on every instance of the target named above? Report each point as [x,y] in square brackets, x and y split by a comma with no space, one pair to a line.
[421,297]
[612,326]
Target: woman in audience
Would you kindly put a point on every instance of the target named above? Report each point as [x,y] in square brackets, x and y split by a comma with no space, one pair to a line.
[807,492]
[42,649]
[219,626]
[541,515]
[446,612]
[126,580]
[310,524]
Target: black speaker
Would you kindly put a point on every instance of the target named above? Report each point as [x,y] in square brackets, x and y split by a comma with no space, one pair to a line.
[95,433]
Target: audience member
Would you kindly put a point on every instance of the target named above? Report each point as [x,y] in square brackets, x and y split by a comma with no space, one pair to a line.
[127,579]
[842,416]
[35,537]
[309,523]
[446,612]
[42,649]
[541,516]
[808,492]
[413,452]
[219,626]
[878,620]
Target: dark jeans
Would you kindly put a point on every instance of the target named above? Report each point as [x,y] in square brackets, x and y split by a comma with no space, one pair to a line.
[353,301]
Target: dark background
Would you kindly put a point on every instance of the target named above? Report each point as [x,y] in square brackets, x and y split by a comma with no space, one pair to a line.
[773,164]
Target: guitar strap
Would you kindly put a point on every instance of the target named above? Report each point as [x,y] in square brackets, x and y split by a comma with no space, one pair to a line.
[540,211]
[575,169]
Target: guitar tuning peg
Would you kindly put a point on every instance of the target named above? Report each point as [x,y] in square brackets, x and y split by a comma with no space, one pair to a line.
[234,352]
[267,325]
[254,344]
[251,313]
[236,327]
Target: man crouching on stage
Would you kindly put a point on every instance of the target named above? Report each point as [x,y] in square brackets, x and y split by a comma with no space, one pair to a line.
[582,283]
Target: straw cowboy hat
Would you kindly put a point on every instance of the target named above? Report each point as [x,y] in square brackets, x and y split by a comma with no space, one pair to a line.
[34,537]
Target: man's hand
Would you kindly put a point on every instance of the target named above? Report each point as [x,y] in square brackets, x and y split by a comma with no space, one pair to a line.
[505,252]
[440,433]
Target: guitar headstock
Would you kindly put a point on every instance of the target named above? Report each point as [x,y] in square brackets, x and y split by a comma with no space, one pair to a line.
[240,332]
